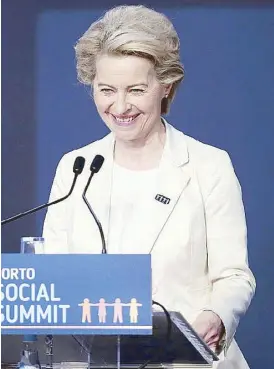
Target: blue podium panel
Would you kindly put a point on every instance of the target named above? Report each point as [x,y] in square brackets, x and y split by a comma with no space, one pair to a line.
[76,294]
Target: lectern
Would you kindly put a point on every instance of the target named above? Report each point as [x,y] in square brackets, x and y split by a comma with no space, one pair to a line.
[98,308]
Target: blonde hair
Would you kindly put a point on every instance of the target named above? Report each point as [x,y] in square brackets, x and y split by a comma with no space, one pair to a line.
[133,30]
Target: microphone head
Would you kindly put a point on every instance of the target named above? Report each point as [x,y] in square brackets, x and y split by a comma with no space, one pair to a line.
[78,165]
[97,163]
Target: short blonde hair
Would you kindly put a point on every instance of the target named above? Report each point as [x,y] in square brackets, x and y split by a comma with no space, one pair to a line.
[133,30]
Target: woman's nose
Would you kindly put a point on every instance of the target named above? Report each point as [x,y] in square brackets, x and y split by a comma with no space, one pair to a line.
[121,104]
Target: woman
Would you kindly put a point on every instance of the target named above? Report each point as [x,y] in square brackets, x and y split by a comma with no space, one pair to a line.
[159,191]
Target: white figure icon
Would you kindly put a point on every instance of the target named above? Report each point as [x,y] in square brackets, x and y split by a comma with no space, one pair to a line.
[133,310]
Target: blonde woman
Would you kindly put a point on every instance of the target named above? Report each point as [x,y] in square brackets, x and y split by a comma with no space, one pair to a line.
[159,191]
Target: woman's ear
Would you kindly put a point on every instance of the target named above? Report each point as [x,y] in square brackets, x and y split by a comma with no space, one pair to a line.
[167,89]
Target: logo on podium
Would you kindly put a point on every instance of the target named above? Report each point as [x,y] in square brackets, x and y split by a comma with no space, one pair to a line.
[117,310]
[48,294]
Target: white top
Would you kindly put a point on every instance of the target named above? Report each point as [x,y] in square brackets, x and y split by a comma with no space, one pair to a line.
[127,186]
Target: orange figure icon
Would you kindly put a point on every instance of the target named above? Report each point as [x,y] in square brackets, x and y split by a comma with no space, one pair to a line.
[86,311]
[133,310]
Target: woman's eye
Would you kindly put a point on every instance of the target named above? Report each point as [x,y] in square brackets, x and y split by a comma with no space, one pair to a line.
[137,91]
[106,90]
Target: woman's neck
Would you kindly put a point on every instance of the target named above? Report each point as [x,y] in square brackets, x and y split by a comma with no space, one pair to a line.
[141,154]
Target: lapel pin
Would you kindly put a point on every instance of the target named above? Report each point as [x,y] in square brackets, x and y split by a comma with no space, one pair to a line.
[163,199]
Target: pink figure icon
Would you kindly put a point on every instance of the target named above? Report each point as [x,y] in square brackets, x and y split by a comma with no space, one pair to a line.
[86,311]
[133,310]
[102,311]
[118,311]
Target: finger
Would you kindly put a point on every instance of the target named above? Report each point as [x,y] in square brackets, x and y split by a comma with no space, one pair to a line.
[213,341]
[213,347]
[210,335]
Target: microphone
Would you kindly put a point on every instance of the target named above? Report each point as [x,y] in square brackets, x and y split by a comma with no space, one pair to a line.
[94,168]
[78,167]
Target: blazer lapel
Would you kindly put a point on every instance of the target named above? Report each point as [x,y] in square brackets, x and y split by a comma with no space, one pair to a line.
[155,207]
[151,214]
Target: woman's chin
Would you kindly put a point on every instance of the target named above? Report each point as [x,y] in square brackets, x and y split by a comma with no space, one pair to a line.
[125,131]
[125,135]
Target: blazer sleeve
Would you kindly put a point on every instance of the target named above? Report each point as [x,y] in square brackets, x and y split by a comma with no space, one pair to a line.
[55,226]
[233,284]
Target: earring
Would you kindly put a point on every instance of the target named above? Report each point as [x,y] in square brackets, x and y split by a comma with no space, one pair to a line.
[166,96]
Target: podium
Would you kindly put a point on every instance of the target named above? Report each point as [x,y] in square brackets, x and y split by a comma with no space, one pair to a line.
[98,309]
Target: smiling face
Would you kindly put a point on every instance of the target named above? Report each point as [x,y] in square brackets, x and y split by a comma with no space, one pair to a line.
[128,96]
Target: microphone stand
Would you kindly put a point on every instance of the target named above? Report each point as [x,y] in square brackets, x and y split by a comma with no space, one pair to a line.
[49,351]
[104,248]
[77,169]
[18,216]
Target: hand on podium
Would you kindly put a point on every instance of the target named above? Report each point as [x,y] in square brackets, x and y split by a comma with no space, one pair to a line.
[210,328]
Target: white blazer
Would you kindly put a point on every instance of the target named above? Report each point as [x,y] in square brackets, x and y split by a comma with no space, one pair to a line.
[197,240]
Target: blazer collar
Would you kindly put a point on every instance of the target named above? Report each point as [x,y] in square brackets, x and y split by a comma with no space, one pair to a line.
[176,150]
[172,179]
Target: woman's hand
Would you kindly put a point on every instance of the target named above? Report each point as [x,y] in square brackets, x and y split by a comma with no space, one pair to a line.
[210,328]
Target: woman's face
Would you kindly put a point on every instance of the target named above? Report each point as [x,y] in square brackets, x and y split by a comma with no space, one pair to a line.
[128,96]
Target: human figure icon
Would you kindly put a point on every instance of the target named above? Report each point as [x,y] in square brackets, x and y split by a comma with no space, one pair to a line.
[102,311]
[118,311]
[86,310]
[133,310]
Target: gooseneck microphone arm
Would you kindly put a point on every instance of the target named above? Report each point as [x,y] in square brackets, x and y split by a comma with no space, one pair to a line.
[18,216]
[77,169]
[94,168]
